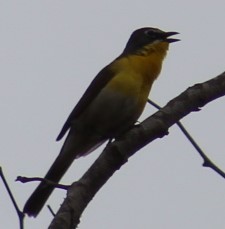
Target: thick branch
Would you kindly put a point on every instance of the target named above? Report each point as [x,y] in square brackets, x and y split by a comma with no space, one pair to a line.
[117,153]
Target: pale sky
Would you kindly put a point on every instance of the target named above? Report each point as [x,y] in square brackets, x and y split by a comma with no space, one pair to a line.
[49,53]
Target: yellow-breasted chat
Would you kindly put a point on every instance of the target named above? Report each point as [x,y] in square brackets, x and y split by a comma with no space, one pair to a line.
[111,105]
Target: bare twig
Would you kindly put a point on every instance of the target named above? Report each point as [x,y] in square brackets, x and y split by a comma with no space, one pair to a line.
[19,213]
[50,209]
[31,179]
[206,161]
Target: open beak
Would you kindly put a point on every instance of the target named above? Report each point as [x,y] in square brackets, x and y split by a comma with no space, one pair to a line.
[169,34]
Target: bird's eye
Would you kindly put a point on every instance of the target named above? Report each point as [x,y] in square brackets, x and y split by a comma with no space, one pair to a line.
[150,33]
[147,32]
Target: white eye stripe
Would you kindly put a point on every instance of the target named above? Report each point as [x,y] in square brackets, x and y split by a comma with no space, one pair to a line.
[152,32]
[148,32]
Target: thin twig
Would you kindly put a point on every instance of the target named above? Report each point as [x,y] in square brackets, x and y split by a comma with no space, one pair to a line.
[51,211]
[19,213]
[31,179]
[206,161]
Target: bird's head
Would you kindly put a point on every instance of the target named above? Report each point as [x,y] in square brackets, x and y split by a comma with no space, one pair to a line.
[145,39]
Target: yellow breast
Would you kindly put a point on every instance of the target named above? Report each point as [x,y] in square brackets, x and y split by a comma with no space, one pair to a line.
[135,74]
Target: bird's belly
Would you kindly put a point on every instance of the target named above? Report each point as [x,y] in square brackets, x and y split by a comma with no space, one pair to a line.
[110,113]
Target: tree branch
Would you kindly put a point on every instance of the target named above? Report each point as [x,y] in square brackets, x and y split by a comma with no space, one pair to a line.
[117,153]
[206,161]
[48,182]
[19,213]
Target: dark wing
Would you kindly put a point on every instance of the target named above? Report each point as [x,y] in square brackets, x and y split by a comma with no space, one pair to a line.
[92,91]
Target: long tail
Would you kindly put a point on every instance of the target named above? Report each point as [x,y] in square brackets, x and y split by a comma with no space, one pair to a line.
[73,147]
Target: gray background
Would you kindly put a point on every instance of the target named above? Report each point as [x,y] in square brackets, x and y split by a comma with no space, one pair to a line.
[51,50]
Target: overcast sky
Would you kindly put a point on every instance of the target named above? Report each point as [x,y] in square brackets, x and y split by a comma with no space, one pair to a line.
[49,53]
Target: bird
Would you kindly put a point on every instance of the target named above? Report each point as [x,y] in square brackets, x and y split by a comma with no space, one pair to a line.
[110,106]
